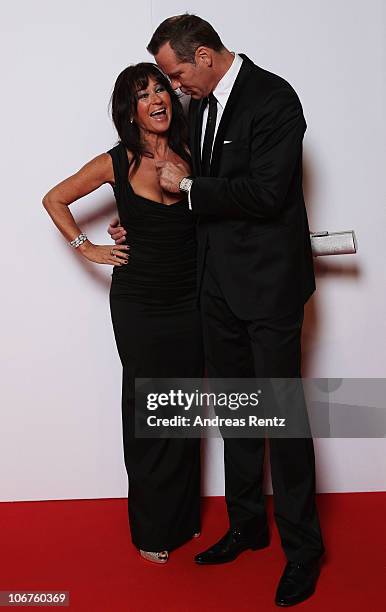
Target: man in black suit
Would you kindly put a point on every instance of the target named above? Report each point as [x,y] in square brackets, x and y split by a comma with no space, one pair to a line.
[255,273]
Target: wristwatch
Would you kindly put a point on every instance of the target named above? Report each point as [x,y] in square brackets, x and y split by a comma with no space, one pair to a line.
[185,184]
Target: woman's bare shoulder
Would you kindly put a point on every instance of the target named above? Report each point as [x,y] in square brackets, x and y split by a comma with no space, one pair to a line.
[100,166]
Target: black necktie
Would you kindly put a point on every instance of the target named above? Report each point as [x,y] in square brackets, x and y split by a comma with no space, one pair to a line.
[209,135]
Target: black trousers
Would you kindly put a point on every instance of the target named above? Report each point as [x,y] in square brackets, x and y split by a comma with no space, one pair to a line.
[235,348]
[164,474]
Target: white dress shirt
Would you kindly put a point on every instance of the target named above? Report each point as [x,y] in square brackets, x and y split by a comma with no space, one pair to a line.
[221,93]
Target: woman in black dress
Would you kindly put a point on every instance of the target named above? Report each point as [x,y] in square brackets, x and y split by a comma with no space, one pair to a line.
[152,297]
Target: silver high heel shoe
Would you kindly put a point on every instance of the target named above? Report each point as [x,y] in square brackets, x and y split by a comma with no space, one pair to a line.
[155,557]
[160,557]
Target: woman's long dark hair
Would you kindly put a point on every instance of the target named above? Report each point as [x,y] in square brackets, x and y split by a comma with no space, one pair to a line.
[124,101]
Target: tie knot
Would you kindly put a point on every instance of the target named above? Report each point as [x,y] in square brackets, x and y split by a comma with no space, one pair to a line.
[212,99]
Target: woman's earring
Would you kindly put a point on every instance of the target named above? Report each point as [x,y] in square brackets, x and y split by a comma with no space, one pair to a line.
[131,120]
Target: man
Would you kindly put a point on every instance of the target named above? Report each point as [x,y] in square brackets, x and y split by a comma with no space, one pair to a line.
[255,273]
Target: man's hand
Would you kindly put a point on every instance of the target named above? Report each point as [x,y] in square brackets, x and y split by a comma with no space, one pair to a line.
[116,231]
[170,175]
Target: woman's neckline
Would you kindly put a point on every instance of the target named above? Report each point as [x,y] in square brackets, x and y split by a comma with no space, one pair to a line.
[138,195]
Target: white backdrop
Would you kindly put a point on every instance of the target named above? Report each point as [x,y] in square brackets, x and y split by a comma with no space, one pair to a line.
[60,434]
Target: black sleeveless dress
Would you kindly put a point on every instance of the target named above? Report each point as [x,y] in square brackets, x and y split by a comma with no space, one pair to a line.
[157,329]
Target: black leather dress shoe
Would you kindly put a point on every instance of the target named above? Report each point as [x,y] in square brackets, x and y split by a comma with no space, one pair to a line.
[234,542]
[297,583]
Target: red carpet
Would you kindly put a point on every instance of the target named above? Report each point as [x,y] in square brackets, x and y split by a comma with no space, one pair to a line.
[84,547]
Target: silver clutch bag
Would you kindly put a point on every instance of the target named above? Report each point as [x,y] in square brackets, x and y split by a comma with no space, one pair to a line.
[333,243]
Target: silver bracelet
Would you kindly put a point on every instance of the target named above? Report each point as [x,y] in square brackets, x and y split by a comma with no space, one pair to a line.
[78,240]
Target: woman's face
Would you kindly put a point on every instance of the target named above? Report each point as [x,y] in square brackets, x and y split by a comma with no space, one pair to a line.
[154,108]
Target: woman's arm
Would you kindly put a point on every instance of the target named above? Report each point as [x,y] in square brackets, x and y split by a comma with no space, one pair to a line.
[95,173]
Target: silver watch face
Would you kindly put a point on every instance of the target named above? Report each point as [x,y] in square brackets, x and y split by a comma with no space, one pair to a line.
[185,184]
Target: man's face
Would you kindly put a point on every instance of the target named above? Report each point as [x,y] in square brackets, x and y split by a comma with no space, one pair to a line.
[193,79]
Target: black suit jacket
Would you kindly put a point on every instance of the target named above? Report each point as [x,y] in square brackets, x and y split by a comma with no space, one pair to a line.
[251,207]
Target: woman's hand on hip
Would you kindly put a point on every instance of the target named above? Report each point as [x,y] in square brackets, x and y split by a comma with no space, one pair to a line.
[105,254]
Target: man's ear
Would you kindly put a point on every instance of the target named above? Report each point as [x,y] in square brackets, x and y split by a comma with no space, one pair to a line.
[204,55]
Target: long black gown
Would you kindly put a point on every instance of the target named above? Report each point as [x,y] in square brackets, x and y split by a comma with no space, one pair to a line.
[157,329]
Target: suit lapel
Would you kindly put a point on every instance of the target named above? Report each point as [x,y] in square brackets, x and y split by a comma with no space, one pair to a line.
[234,97]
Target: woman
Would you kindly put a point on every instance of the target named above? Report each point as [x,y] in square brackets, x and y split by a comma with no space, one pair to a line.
[152,296]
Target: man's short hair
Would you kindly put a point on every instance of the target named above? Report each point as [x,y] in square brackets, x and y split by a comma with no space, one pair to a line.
[185,33]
